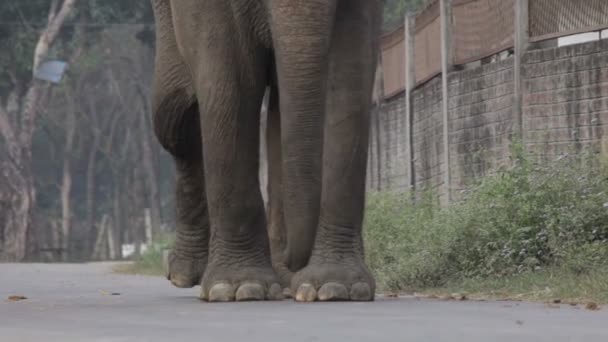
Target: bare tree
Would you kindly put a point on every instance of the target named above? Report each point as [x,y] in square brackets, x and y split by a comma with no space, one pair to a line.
[100,125]
[132,84]
[17,125]
[150,168]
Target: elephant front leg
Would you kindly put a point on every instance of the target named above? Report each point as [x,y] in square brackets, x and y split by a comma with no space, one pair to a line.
[176,125]
[336,269]
[229,73]
[188,259]
[301,33]
[176,122]
[239,266]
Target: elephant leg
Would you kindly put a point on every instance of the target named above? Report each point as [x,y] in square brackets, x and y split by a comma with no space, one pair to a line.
[188,259]
[229,68]
[176,124]
[336,269]
[178,131]
[301,32]
[276,221]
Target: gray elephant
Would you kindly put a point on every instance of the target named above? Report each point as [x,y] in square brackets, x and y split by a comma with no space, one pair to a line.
[215,59]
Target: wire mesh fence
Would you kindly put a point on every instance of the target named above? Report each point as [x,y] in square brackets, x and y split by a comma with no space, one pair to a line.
[481,28]
[556,18]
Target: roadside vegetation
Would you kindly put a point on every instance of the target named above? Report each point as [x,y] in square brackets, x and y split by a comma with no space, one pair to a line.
[150,262]
[536,231]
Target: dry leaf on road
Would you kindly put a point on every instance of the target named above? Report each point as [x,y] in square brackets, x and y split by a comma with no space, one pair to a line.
[592,306]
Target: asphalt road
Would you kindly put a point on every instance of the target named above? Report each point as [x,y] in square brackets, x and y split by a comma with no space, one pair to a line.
[67,302]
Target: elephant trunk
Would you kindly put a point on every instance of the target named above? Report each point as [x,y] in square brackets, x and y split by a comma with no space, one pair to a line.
[301,33]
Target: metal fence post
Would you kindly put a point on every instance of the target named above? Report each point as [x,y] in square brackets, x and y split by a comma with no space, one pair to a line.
[445,8]
[521,45]
[410,82]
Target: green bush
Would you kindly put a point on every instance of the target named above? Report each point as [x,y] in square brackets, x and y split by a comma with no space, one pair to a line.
[522,219]
[150,262]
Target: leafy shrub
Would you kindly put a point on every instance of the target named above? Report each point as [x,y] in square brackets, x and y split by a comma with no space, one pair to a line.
[521,219]
[151,261]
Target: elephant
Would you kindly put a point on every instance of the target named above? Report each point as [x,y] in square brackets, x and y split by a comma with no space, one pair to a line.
[215,60]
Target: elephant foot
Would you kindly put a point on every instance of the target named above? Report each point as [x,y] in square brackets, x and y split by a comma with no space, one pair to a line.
[285,276]
[184,272]
[334,281]
[240,284]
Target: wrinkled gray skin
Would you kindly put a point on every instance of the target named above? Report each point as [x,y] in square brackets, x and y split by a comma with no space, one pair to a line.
[215,58]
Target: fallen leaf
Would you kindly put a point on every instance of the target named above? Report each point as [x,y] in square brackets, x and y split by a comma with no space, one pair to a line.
[16,298]
[592,306]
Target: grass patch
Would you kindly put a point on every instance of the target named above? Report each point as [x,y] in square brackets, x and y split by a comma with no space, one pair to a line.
[150,262]
[549,285]
[533,231]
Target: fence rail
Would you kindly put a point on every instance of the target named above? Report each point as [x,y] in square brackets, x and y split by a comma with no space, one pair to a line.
[481,28]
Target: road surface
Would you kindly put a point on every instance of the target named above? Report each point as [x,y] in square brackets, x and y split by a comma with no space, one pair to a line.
[86,302]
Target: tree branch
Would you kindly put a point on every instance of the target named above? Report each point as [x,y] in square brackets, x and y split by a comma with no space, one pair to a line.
[28,118]
[52,29]
[52,10]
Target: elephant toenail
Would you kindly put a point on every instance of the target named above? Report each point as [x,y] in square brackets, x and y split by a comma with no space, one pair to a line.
[250,291]
[221,292]
[306,293]
[203,295]
[275,292]
[361,292]
[333,291]
[180,281]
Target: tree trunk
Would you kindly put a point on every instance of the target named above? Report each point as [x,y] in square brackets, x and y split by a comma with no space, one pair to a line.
[118,220]
[91,168]
[66,183]
[18,217]
[151,172]
[98,251]
[66,209]
[137,208]
[111,242]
